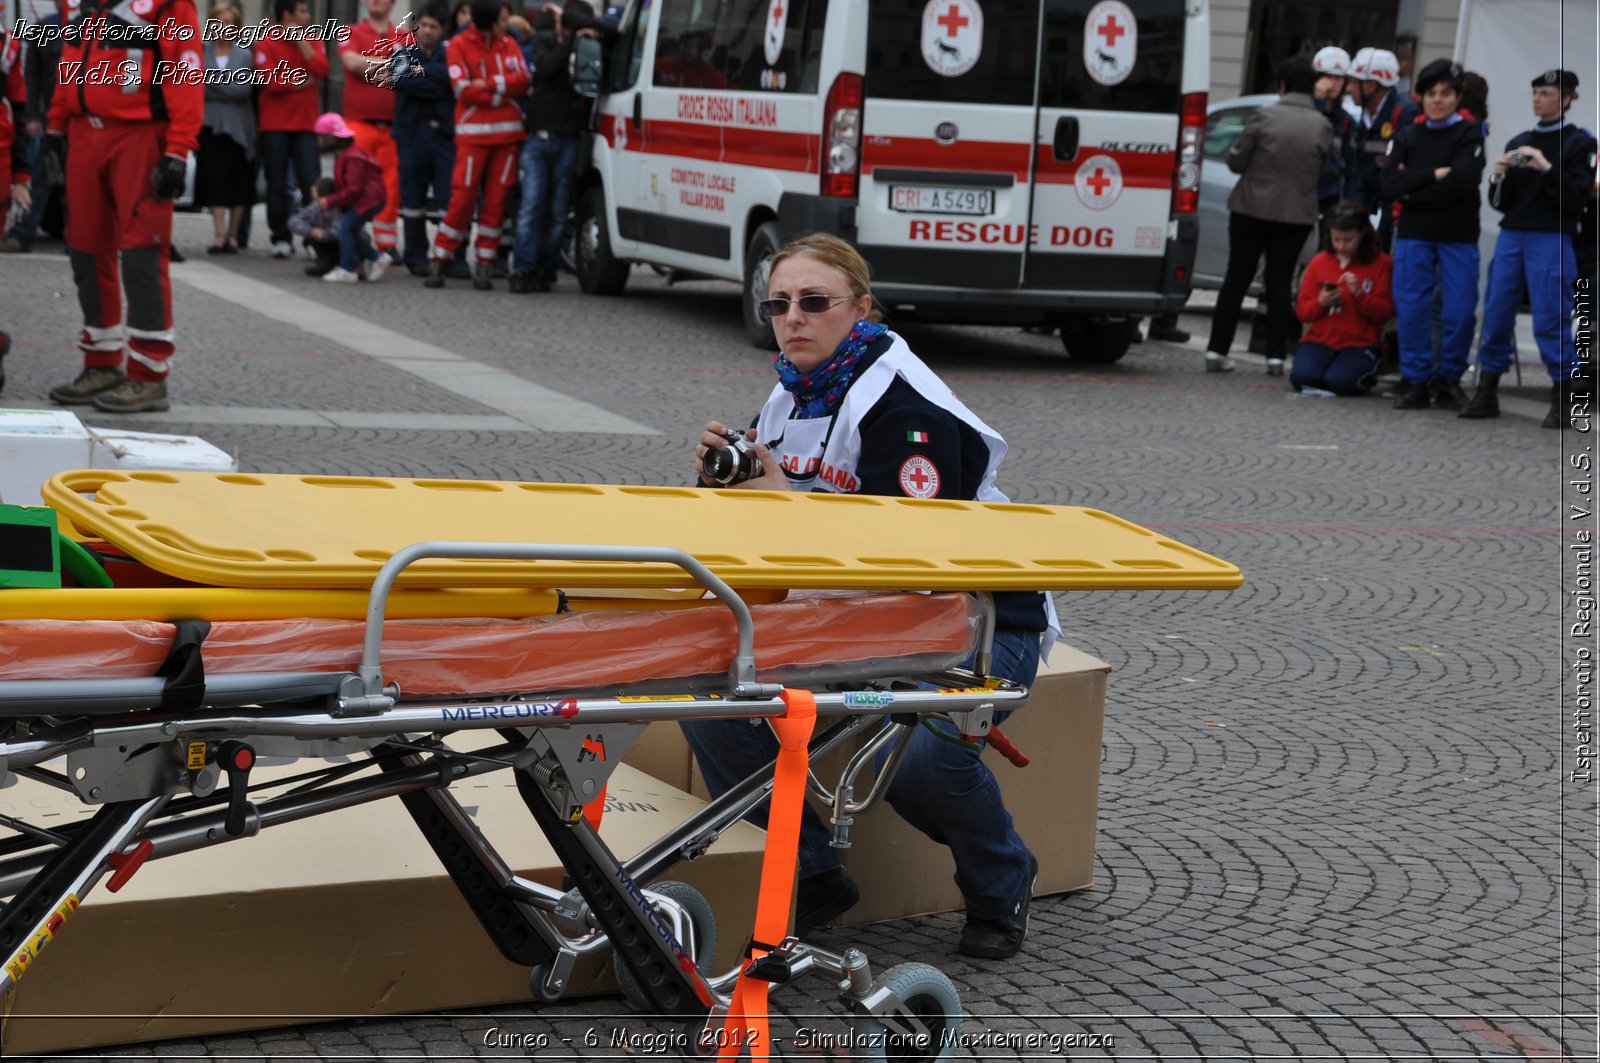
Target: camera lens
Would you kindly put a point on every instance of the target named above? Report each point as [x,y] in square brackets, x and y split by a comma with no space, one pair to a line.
[721,465]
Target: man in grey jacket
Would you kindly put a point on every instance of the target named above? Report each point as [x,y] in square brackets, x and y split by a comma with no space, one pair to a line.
[1278,157]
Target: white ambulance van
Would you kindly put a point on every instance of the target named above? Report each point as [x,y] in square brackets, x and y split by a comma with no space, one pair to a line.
[1019,162]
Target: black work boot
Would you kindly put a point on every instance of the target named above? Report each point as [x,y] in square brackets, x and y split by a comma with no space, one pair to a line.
[1486,400]
[435,273]
[822,898]
[1446,394]
[483,276]
[1411,396]
[1001,939]
[1560,414]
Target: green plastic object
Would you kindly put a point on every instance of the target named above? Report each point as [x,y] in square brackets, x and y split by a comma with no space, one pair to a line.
[30,547]
[81,565]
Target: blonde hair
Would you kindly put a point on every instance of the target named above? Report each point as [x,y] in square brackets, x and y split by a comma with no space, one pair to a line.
[223,7]
[832,251]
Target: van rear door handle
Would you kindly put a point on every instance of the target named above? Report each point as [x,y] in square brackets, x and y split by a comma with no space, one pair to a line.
[1066,141]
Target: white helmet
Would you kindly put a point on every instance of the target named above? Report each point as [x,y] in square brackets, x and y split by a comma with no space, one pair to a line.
[1376,64]
[1332,60]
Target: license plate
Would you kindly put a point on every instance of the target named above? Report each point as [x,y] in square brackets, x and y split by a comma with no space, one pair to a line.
[925,199]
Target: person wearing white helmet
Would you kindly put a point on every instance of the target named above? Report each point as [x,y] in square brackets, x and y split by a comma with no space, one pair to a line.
[1332,65]
[1374,72]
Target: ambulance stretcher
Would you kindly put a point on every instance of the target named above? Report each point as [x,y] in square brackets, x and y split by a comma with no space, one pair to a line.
[230,636]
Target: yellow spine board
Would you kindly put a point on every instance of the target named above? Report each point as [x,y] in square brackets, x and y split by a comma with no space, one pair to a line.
[287,531]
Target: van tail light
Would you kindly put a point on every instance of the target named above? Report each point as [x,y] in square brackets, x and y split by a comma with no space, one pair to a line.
[841,137]
[1186,163]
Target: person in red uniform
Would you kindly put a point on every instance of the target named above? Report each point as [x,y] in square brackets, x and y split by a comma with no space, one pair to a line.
[369,109]
[488,76]
[15,190]
[129,96]
[1345,300]
[290,68]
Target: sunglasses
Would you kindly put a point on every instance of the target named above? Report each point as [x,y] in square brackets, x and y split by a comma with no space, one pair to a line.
[809,304]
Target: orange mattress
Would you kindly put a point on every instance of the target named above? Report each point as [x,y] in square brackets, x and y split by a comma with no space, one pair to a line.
[813,638]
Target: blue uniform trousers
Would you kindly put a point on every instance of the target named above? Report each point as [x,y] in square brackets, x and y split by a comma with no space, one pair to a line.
[427,158]
[1545,263]
[1420,268]
[942,788]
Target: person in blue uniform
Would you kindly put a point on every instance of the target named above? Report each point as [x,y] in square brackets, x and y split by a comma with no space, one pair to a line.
[856,412]
[1540,184]
[1433,169]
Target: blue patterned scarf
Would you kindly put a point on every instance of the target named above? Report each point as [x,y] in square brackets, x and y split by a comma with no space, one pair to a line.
[817,393]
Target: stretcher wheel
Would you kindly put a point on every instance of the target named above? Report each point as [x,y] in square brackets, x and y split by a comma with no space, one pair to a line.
[704,948]
[537,988]
[926,993]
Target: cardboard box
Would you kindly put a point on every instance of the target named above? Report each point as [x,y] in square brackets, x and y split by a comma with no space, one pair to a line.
[119,448]
[1053,802]
[341,915]
[34,446]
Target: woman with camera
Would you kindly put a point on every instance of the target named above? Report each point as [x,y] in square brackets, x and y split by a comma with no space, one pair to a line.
[1345,301]
[855,411]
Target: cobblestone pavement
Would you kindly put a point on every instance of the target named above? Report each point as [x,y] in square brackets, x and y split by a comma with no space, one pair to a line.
[1336,817]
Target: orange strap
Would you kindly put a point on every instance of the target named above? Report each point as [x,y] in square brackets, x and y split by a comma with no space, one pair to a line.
[746,1023]
[595,809]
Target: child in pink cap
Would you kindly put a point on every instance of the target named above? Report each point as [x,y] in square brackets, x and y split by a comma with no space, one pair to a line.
[359,191]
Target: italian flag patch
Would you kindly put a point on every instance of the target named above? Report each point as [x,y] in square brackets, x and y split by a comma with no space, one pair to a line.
[916,437]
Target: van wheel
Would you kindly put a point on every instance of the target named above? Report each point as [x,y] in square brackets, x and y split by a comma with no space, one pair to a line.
[1097,340]
[598,273]
[757,266]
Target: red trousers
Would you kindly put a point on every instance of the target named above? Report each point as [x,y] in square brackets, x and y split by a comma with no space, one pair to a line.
[114,220]
[494,167]
[376,141]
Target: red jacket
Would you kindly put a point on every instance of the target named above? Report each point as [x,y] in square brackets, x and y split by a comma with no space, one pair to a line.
[157,40]
[357,182]
[364,101]
[487,114]
[1357,320]
[289,99]
[15,94]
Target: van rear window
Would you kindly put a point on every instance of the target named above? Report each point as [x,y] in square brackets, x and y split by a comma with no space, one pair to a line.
[1011,45]
[1154,84]
[725,44]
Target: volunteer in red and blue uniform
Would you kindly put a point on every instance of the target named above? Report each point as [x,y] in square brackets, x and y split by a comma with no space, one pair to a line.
[1345,300]
[13,156]
[489,77]
[1540,184]
[131,133]
[856,412]
[290,67]
[1433,169]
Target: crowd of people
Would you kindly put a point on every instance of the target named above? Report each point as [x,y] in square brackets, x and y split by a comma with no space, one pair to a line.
[469,114]
[1342,145]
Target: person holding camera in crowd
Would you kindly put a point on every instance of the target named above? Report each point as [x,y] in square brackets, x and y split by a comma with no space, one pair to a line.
[424,130]
[1345,300]
[555,118]
[1540,184]
[1433,169]
[855,411]
[130,141]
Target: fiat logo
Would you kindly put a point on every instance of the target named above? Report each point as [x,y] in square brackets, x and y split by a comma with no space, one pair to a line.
[946,132]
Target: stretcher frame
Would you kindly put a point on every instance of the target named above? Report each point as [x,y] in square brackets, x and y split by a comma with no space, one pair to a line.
[144,765]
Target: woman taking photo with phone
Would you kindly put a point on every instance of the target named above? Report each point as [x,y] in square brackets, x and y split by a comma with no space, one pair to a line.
[1345,300]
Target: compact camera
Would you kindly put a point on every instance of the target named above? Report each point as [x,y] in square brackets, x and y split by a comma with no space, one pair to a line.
[734,463]
[1518,159]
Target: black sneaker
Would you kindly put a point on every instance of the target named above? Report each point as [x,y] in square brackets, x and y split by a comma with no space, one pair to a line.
[1446,394]
[521,283]
[1411,397]
[1001,939]
[820,899]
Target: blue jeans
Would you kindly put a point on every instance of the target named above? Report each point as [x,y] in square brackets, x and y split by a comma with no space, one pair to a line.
[27,227]
[547,166]
[943,789]
[353,238]
[1546,264]
[427,157]
[1346,371]
[277,151]
[1422,267]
